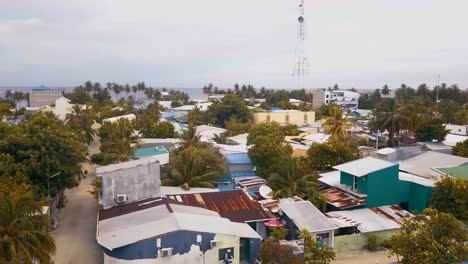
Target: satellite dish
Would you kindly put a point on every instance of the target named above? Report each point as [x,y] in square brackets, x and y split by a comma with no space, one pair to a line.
[266,192]
[300,19]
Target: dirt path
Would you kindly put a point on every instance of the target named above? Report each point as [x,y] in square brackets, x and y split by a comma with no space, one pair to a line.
[364,257]
[75,236]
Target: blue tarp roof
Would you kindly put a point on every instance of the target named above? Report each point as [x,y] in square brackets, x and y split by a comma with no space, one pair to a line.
[238,158]
[39,88]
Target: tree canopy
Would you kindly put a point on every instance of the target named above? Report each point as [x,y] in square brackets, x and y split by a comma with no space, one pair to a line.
[322,156]
[451,196]
[268,147]
[461,149]
[430,237]
[231,106]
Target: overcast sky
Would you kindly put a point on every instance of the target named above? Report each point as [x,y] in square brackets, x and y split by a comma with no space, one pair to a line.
[188,43]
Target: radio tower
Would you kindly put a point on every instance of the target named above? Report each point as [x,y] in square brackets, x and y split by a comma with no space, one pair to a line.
[301,65]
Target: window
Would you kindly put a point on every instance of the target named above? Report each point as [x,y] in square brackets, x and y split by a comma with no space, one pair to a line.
[355,179]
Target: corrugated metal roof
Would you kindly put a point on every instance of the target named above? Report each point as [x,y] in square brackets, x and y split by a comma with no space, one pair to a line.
[370,219]
[362,167]
[238,158]
[422,165]
[305,215]
[235,205]
[340,199]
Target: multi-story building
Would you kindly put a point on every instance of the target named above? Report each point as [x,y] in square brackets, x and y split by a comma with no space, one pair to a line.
[285,117]
[42,96]
[343,98]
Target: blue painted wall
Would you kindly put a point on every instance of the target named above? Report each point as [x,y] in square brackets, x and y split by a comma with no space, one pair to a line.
[180,242]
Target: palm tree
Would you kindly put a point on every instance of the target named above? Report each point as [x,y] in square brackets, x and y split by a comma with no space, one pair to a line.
[392,116]
[23,230]
[291,178]
[190,137]
[221,138]
[81,121]
[121,150]
[336,124]
[385,90]
[189,169]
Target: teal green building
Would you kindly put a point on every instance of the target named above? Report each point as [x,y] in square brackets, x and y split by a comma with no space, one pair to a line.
[381,183]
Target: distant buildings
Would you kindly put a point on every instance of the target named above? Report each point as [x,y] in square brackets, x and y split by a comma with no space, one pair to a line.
[343,98]
[42,96]
[62,107]
[285,117]
[117,118]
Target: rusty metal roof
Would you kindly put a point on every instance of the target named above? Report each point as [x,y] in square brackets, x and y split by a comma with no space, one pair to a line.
[235,205]
[370,219]
[135,206]
[340,199]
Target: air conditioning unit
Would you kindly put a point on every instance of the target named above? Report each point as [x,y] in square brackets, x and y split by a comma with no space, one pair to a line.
[213,243]
[121,198]
[166,252]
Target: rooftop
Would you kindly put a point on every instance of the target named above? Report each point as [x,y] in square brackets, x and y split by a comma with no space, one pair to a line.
[152,218]
[403,176]
[114,119]
[152,151]
[238,158]
[362,167]
[125,165]
[460,172]
[341,199]
[370,219]
[305,215]
[235,205]
[423,164]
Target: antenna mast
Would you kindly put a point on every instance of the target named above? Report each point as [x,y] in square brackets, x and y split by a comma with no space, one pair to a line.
[301,65]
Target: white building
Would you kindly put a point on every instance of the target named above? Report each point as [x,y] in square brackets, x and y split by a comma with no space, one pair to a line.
[457,129]
[343,98]
[62,108]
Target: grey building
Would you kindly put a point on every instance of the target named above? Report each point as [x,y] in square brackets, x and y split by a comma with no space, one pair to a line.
[42,96]
[129,182]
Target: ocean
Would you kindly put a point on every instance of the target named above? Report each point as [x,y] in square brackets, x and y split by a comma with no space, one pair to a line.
[194,93]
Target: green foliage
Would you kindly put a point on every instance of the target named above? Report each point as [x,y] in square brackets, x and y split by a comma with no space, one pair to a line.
[221,138]
[430,130]
[118,142]
[150,125]
[231,106]
[461,149]
[273,252]
[290,178]
[431,237]
[194,167]
[190,137]
[313,253]
[279,233]
[81,121]
[290,130]
[41,147]
[96,185]
[461,117]
[5,110]
[372,243]
[234,127]
[23,229]
[336,125]
[332,153]
[451,196]
[326,110]
[268,147]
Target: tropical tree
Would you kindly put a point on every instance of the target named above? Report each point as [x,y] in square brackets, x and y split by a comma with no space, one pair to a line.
[385,90]
[221,138]
[313,252]
[390,115]
[268,147]
[121,150]
[23,229]
[291,178]
[190,137]
[273,252]
[461,149]
[194,167]
[231,106]
[430,237]
[5,110]
[430,130]
[451,196]
[323,156]
[336,124]
[81,122]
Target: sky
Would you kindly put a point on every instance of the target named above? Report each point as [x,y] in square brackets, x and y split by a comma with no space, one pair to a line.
[187,44]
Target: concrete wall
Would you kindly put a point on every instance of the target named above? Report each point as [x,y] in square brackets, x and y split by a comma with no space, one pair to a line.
[138,183]
[285,117]
[40,98]
[358,241]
